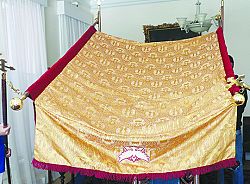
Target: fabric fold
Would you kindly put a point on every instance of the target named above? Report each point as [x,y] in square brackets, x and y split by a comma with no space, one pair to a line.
[119,109]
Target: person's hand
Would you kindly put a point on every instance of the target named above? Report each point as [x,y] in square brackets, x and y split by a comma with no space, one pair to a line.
[8,153]
[4,130]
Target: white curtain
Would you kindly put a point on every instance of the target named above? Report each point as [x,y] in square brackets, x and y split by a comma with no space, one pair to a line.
[22,43]
[70,30]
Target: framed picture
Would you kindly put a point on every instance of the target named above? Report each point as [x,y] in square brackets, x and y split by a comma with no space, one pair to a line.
[166,32]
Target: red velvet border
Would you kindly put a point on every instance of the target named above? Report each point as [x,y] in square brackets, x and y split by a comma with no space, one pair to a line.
[37,88]
[226,60]
[130,177]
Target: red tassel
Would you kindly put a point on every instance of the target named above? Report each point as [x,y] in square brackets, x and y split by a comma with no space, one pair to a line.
[130,177]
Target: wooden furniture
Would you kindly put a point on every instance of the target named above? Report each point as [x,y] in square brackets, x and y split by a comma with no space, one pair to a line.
[49,177]
[166,32]
[62,178]
[246,135]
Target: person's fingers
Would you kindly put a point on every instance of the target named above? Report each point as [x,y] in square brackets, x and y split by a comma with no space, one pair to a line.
[7,130]
[8,153]
[4,130]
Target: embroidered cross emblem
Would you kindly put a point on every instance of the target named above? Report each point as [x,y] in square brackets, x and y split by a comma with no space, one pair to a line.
[133,154]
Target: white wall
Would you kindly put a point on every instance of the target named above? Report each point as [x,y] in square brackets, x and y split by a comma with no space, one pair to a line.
[80,12]
[53,9]
[237,31]
[125,18]
[52,32]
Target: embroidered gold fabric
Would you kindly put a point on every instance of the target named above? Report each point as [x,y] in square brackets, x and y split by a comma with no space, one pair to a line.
[168,97]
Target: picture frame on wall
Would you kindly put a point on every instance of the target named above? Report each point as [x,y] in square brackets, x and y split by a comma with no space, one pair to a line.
[166,32]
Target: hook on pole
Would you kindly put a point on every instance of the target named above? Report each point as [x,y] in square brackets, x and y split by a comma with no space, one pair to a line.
[98,17]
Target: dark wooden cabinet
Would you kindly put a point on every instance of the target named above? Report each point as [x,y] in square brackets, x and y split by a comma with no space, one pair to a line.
[246,134]
[166,32]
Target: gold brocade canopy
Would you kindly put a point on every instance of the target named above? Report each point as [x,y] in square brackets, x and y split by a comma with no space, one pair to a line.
[135,109]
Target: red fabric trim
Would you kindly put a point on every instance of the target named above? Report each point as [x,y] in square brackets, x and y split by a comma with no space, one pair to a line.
[130,177]
[37,88]
[225,58]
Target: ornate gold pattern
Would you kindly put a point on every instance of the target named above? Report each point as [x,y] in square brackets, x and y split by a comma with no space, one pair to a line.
[168,97]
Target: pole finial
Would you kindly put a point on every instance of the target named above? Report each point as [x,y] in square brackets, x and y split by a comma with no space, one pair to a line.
[99,2]
[98,18]
[222,2]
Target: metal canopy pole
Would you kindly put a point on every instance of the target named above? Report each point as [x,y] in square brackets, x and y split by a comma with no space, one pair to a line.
[222,10]
[4,109]
[98,19]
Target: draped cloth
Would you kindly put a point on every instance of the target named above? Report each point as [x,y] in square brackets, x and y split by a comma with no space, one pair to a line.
[120,109]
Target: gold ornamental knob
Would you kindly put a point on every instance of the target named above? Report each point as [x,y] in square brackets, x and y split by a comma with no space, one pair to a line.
[16,104]
[239,99]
